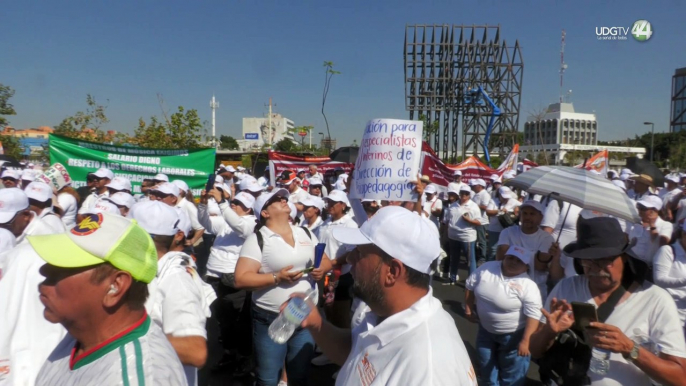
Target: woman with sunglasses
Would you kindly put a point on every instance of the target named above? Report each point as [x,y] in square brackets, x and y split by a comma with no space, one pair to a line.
[276,262]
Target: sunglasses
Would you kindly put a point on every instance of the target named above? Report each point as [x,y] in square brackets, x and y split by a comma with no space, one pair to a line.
[600,263]
[10,179]
[159,194]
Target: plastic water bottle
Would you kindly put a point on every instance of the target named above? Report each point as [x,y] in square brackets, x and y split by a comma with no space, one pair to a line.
[600,361]
[291,317]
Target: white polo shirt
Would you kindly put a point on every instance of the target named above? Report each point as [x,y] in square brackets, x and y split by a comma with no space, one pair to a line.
[458,228]
[277,254]
[482,198]
[646,246]
[177,302]
[649,309]
[503,303]
[335,248]
[418,346]
[142,355]
[90,201]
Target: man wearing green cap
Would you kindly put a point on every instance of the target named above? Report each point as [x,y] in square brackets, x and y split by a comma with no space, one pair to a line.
[96,284]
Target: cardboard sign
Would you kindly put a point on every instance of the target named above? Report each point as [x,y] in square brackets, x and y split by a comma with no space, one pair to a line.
[388,160]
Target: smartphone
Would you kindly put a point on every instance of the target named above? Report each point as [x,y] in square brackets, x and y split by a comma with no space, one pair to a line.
[584,314]
[210,182]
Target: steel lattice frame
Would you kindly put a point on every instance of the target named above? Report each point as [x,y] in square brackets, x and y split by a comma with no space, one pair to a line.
[443,62]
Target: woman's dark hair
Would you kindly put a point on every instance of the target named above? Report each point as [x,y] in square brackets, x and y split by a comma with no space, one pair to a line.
[41,204]
[71,191]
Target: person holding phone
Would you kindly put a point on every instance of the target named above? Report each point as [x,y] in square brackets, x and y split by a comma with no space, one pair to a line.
[609,265]
[462,218]
[270,264]
[508,308]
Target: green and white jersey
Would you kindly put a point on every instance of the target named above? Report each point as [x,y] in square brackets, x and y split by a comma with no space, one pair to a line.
[139,356]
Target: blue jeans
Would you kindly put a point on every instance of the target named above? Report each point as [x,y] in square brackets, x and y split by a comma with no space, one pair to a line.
[457,249]
[498,361]
[492,245]
[270,356]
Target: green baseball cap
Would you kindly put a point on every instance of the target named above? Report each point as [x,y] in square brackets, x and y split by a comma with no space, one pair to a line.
[101,238]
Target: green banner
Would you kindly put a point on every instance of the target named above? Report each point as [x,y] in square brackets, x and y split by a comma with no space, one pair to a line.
[135,163]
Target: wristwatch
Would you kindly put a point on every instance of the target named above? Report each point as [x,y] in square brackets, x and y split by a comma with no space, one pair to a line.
[633,354]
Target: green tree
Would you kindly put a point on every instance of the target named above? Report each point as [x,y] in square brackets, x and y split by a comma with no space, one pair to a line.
[430,128]
[86,124]
[329,72]
[298,129]
[182,131]
[228,142]
[10,144]
[285,145]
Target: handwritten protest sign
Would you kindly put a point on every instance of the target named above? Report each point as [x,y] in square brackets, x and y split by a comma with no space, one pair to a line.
[388,160]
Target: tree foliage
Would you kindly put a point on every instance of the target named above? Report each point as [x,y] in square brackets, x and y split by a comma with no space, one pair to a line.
[430,128]
[6,108]
[285,145]
[86,124]
[182,131]
[228,142]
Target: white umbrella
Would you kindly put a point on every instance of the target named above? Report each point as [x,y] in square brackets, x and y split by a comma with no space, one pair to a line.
[579,187]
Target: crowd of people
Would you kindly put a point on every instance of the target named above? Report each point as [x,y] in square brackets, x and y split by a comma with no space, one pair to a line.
[99,285]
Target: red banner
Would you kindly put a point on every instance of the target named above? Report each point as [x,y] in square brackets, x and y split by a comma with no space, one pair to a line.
[279,162]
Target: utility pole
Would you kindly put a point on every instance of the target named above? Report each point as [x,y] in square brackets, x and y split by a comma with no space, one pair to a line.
[269,122]
[214,105]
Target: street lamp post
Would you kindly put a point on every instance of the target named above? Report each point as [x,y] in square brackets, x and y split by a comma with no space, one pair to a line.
[652,138]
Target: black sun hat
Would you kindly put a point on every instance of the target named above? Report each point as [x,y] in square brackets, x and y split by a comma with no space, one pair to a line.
[598,238]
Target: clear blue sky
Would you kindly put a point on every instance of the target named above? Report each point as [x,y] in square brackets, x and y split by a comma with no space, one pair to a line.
[125,52]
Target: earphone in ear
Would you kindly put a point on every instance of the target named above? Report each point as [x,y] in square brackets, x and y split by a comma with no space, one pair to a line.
[113,290]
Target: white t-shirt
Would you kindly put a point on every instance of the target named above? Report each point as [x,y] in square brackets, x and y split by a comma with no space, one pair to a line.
[89,202]
[142,355]
[503,303]
[277,254]
[536,242]
[26,338]
[52,220]
[509,207]
[177,302]
[646,246]
[553,218]
[417,346]
[650,309]
[482,198]
[335,248]
[668,196]
[192,213]
[430,206]
[669,272]
[231,231]
[69,205]
[458,228]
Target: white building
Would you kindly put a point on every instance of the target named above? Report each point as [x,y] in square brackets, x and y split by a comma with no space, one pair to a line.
[256,131]
[561,125]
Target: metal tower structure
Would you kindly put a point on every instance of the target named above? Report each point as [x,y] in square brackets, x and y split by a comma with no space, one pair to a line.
[563,65]
[443,65]
[214,105]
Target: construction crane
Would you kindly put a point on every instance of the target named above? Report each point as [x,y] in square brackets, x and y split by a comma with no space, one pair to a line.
[477,96]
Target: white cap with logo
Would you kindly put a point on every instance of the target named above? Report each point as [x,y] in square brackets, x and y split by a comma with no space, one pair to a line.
[182,185]
[339,196]
[122,199]
[250,184]
[11,173]
[119,183]
[248,200]
[533,204]
[402,234]
[263,198]
[652,202]
[12,201]
[39,191]
[525,255]
[430,189]
[167,188]
[314,201]
[104,173]
[161,177]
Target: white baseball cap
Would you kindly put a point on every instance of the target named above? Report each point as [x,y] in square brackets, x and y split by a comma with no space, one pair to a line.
[156,218]
[29,174]
[653,202]
[103,206]
[250,185]
[457,173]
[339,185]
[248,200]
[627,171]
[122,199]
[478,181]
[167,188]
[315,181]
[454,188]
[184,221]
[624,177]
[104,173]
[339,196]
[522,254]
[228,168]
[12,201]
[533,204]
[161,177]
[430,189]
[494,177]
[314,201]
[619,183]
[674,178]
[181,185]
[263,198]
[39,191]
[11,173]
[505,192]
[402,234]
[465,188]
[119,183]
[240,168]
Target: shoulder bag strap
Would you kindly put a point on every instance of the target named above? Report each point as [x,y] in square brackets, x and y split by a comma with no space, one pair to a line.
[605,309]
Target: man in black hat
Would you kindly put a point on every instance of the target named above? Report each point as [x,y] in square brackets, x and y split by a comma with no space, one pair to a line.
[612,279]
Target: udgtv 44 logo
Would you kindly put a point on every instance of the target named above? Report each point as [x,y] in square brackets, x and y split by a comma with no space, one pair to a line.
[641,31]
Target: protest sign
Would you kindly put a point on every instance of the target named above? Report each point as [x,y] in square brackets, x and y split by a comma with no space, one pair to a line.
[135,163]
[388,160]
[280,162]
